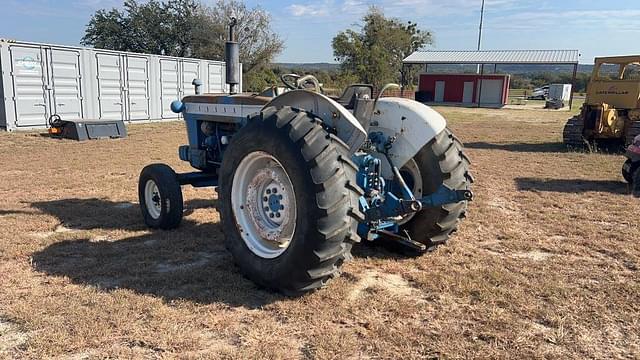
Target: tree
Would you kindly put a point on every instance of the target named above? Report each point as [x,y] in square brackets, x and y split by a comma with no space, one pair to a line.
[259,45]
[375,53]
[260,79]
[159,28]
[185,28]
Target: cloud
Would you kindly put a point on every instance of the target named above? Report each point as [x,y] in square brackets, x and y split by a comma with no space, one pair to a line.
[309,10]
[436,8]
[622,20]
[353,9]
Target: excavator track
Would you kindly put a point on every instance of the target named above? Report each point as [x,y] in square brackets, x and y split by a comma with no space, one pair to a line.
[572,134]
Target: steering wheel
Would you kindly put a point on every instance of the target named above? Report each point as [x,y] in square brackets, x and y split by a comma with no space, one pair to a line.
[290,81]
[302,82]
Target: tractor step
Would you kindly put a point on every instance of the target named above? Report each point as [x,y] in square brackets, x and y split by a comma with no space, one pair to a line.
[198,179]
[403,240]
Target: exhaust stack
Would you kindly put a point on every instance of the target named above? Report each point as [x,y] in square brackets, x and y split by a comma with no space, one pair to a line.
[232,59]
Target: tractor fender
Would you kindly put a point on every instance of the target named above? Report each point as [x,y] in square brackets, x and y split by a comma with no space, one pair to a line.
[412,123]
[348,129]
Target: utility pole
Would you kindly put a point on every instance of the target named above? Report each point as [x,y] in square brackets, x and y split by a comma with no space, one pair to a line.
[480,32]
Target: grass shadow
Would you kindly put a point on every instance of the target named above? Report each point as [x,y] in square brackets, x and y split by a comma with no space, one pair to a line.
[383,248]
[519,147]
[189,263]
[95,213]
[574,186]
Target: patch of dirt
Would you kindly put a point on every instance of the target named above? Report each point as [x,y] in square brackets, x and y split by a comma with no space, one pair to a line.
[503,205]
[11,338]
[63,229]
[535,255]
[60,228]
[393,284]
[199,260]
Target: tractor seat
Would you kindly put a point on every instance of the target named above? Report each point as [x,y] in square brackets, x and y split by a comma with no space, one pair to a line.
[354,92]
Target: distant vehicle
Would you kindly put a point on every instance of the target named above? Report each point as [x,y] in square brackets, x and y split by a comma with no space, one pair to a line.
[540,93]
[611,110]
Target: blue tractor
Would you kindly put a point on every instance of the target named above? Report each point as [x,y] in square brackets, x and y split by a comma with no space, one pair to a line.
[302,176]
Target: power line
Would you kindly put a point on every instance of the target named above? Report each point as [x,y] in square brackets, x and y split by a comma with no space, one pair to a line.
[480,33]
[480,29]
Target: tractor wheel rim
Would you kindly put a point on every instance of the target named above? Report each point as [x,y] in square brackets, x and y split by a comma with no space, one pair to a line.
[264,204]
[152,199]
[412,176]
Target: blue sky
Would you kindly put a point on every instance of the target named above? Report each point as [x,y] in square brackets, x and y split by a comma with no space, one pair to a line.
[593,27]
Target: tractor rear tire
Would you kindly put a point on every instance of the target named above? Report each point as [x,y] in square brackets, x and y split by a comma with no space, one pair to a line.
[316,210]
[160,197]
[572,135]
[628,170]
[632,130]
[635,184]
[441,161]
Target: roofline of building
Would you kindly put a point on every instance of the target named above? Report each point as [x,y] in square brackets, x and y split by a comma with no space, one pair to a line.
[466,62]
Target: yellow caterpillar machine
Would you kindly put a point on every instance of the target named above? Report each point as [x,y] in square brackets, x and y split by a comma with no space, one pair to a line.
[611,110]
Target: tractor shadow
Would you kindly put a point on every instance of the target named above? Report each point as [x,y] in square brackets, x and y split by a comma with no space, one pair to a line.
[384,249]
[188,263]
[572,186]
[519,147]
[95,213]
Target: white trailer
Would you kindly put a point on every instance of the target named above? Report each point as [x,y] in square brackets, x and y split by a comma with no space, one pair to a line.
[39,80]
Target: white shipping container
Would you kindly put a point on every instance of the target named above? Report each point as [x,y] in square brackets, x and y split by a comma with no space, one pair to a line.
[559,92]
[39,80]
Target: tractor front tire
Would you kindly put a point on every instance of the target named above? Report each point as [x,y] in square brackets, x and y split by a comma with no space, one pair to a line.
[288,201]
[160,197]
[441,161]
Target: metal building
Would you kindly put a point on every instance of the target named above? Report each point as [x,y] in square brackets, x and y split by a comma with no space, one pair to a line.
[39,80]
[481,89]
[465,89]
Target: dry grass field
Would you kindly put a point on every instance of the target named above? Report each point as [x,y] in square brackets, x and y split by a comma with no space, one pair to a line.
[546,264]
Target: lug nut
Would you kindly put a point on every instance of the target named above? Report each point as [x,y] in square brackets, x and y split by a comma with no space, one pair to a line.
[266,208]
[280,197]
[277,215]
[274,190]
[271,215]
[281,207]
[265,199]
[268,191]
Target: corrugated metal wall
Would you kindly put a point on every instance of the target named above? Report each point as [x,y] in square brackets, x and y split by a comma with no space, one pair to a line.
[83,83]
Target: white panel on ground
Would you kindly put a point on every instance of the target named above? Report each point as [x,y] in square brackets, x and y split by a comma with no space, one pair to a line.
[216,78]
[491,93]
[110,97]
[138,87]
[66,96]
[439,95]
[190,71]
[169,86]
[467,92]
[30,98]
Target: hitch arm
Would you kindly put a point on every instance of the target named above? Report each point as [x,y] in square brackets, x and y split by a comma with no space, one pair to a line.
[444,195]
[393,206]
